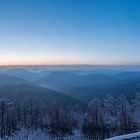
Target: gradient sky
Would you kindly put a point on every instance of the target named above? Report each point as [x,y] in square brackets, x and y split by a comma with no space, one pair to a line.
[69,32]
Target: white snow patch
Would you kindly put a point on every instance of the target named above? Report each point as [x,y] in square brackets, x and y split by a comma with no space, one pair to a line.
[128,136]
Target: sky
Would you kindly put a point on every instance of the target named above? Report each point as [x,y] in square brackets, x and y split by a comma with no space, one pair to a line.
[41,32]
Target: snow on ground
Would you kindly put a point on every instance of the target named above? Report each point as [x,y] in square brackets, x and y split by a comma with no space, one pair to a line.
[25,134]
[132,136]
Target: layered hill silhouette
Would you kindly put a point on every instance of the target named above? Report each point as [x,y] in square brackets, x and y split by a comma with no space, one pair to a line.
[68,87]
[11,80]
[20,73]
[24,92]
[63,80]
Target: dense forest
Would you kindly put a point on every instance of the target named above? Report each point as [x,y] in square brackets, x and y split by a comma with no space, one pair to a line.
[100,120]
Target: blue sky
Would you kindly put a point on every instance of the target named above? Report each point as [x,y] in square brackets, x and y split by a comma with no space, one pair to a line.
[69,32]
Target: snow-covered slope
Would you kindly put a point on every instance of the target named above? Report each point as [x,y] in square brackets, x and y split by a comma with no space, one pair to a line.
[126,137]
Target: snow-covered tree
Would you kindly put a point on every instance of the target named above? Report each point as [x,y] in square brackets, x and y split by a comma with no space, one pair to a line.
[7,121]
[125,114]
[136,109]
[93,121]
[111,112]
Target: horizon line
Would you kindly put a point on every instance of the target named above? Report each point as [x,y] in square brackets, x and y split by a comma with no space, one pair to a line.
[20,65]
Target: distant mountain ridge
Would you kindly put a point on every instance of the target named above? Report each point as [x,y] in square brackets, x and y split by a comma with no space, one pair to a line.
[20,73]
[83,87]
[60,80]
[11,80]
[128,75]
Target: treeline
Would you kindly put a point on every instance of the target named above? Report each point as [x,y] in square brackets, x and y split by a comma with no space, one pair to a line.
[101,119]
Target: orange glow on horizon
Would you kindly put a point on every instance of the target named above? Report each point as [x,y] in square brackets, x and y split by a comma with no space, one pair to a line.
[58,62]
